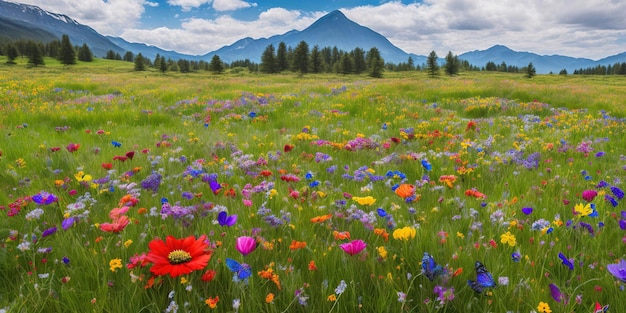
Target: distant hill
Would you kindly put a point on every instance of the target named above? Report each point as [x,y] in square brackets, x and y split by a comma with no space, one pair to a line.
[21,21]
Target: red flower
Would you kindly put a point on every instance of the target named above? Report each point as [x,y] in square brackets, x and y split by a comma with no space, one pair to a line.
[130,154]
[107,166]
[178,257]
[72,147]
[287,148]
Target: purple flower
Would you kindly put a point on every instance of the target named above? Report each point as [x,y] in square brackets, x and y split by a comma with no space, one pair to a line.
[245,245]
[556,294]
[68,222]
[44,198]
[152,182]
[66,260]
[226,220]
[618,270]
[353,247]
[622,224]
[612,200]
[527,211]
[49,231]
[617,192]
[444,294]
[566,261]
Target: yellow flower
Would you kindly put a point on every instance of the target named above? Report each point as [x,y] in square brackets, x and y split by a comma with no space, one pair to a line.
[544,308]
[460,235]
[583,210]
[382,252]
[128,243]
[115,264]
[212,302]
[404,233]
[369,200]
[508,238]
[183,280]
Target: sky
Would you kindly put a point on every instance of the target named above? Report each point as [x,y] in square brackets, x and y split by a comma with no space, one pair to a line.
[591,29]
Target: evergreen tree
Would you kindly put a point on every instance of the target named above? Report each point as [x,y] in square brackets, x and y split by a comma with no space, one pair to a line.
[410,64]
[12,54]
[129,56]
[432,67]
[35,57]
[85,54]
[139,64]
[346,64]
[162,65]
[375,63]
[110,55]
[301,58]
[452,64]
[530,70]
[216,66]
[282,63]
[268,60]
[358,60]
[317,64]
[67,54]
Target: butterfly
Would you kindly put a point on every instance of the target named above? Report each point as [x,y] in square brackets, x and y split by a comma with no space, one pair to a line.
[600,308]
[242,270]
[226,220]
[429,268]
[483,279]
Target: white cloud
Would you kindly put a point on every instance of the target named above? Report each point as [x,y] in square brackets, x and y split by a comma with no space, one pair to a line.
[152,4]
[187,5]
[230,5]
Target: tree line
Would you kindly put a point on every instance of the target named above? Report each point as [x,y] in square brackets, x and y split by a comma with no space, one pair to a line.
[62,50]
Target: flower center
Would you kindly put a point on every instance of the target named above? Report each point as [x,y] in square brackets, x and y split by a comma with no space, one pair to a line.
[179,257]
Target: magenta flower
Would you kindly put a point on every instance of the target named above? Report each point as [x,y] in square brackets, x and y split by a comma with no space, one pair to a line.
[588,195]
[353,247]
[618,270]
[245,245]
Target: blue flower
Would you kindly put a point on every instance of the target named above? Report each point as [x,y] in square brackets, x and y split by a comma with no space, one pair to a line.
[427,166]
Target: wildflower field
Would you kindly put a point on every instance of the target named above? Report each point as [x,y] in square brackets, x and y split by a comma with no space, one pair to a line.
[125,191]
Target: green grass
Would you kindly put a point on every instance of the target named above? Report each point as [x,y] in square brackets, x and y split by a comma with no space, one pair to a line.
[524,143]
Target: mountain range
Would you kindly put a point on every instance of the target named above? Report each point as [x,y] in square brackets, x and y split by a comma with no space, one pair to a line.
[21,21]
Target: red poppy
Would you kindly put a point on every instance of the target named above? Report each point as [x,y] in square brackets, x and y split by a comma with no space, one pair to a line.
[287,148]
[107,166]
[178,257]
[130,154]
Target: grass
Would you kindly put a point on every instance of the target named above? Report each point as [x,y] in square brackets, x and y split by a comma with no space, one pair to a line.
[300,160]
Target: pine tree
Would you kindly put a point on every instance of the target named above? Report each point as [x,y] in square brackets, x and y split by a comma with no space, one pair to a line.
[530,70]
[35,57]
[84,54]
[216,66]
[268,60]
[12,54]
[139,64]
[162,65]
[432,67]
[282,63]
[67,54]
[452,64]
[375,63]
[301,58]
[316,60]
[347,66]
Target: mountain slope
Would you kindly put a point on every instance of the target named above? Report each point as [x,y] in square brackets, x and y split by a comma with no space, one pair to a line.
[333,29]
[32,19]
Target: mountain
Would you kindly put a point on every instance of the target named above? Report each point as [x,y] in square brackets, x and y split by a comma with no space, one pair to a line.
[22,21]
[151,51]
[543,63]
[331,30]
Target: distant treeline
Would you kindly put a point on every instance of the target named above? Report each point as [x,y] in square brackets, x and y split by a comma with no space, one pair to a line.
[278,59]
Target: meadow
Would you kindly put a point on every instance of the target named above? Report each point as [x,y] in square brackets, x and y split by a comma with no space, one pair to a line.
[126,191]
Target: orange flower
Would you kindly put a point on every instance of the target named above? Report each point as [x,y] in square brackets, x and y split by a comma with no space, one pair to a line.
[475,193]
[212,302]
[312,266]
[269,274]
[269,298]
[448,180]
[295,245]
[382,232]
[321,218]
[405,190]
[341,235]
[178,257]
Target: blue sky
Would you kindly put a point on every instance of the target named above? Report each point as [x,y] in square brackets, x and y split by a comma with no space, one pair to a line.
[579,28]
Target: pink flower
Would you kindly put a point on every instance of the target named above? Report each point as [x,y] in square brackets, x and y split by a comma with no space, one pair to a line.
[353,247]
[116,226]
[589,195]
[245,245]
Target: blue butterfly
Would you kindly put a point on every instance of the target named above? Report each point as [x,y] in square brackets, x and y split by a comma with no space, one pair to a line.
[483,279]
[601,309]
[242,270]
[430,268]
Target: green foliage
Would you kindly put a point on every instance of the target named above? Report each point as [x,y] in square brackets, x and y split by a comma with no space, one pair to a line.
[67,54]
[356,137]
[432,67]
